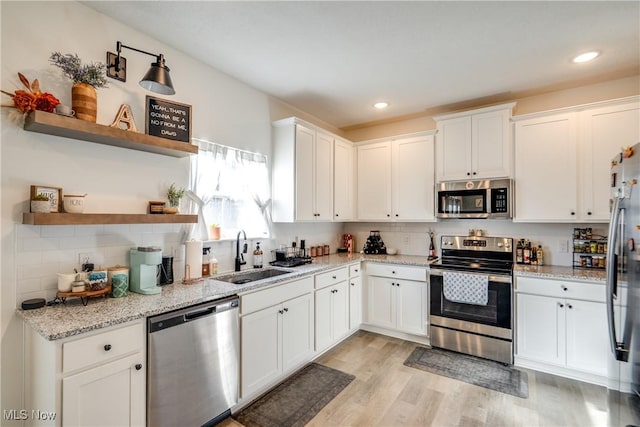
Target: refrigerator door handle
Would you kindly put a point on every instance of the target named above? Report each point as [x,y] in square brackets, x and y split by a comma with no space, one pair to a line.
[612,277]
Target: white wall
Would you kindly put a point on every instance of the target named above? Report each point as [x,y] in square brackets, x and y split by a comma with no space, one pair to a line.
[412,238]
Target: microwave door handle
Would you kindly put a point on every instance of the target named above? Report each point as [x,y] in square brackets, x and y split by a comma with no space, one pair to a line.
[612,277]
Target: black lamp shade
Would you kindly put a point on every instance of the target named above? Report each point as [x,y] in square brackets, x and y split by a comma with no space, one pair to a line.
[158,79]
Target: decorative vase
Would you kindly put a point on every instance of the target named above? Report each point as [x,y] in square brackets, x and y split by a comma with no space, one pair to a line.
[40,206]
[84,101]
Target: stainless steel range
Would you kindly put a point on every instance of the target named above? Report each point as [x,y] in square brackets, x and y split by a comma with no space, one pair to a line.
[471,294]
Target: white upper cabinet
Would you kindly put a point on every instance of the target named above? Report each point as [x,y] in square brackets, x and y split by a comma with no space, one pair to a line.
[474,144]
[302,172]
[343,180]
[545,169]
[396,179]
[604,132]
[563,160]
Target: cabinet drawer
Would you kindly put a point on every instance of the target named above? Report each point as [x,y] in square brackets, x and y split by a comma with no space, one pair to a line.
[266,298]
[397,271]
[561,288]
[331,277]
[354,270]
[102,347]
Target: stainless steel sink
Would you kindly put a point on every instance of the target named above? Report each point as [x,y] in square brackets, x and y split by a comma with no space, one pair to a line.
[250,276]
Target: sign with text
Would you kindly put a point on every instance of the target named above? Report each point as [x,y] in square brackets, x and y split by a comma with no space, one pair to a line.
[168,119]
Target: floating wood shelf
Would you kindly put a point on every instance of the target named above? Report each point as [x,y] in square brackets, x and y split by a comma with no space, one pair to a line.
[70,127]
[89,218]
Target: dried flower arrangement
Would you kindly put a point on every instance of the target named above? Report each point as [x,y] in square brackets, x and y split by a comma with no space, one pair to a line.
[93,74]
[32,98]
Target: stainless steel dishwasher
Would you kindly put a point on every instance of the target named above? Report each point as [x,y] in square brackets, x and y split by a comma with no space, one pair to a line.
[193,364]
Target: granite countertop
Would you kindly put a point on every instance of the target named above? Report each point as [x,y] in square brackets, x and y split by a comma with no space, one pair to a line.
[72,318]
[559,272]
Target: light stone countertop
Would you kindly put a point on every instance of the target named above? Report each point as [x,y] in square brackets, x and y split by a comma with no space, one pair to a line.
[72,318]
[559,272]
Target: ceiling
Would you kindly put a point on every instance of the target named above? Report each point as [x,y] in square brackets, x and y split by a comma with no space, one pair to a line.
[334,60]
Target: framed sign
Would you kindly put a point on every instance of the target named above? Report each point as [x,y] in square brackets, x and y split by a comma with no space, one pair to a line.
[168,119]
[54,194]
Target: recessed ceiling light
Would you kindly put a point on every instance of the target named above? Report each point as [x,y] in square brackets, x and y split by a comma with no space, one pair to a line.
[381,105]
[585,57]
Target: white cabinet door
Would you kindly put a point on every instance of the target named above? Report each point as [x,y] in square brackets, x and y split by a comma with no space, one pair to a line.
[297,331]
[382,308]
[411,304]
[587,333]
[343,187]
[604,132]
[491,145]
[374,181]
[454,149]
[545,169]
[261,348]
[355,302]
[340,310]
[413,178]
[323,318]
[108,395]
[541,329]
[323,181]
[304,173]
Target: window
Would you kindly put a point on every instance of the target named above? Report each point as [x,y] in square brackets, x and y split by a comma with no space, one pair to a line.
[232,189]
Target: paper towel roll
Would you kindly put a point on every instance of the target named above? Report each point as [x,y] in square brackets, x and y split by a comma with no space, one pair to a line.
[193,265]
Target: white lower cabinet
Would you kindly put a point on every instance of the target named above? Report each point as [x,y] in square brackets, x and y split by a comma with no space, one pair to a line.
[277,329]
[355,302]
[96,380]
[562,328]
[108,395]
[332,314]
[397,298]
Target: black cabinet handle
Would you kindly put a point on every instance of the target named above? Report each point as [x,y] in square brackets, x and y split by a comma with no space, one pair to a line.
[280,311]
[138,366]
[337,215]
[564,288]
[388,215]
[352,284]
[570,306]
[468,174]
[107,347]
[474,173]
[561,305]
[573,213]
[588,213]
[286,309]
[333,277]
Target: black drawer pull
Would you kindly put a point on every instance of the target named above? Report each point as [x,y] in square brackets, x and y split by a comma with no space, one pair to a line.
[138,366]
[107,347]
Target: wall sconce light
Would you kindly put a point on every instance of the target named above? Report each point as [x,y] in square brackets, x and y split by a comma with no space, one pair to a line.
[157,79]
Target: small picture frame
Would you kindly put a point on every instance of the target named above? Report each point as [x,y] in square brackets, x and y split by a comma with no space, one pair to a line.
[54,193]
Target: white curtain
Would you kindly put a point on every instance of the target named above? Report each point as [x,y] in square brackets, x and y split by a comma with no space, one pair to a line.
[229,187]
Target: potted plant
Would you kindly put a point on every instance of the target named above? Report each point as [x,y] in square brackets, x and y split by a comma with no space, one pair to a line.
[86,78]
[174,194]
[214,231]
[40,203]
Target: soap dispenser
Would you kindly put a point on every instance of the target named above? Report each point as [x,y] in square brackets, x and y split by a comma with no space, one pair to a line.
[257,256]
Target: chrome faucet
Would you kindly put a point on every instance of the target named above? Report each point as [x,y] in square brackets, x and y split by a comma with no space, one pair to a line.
[239,258]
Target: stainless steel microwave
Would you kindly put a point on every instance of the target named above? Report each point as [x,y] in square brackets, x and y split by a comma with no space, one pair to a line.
[491,198]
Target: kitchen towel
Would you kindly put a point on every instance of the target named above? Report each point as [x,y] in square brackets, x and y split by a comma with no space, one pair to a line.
[193,265]
[465,287]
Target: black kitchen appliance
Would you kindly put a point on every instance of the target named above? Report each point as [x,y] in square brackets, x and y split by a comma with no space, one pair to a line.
[471,297]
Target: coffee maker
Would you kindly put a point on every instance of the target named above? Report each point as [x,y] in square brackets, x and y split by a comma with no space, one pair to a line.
[144,263]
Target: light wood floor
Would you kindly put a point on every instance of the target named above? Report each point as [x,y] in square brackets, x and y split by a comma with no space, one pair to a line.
[387,393]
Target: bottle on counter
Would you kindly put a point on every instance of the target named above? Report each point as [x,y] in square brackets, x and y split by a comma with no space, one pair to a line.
[534,255]
[520,252]
[257,256]
[206,261]
[213,269]
[526,253]
[540,255]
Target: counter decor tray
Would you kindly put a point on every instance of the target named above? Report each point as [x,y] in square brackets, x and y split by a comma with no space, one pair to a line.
[84,296]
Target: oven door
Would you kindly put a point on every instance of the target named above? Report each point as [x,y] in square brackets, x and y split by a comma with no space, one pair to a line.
[493,319]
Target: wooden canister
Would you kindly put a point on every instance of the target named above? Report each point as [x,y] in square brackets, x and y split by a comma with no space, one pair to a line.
[84,101]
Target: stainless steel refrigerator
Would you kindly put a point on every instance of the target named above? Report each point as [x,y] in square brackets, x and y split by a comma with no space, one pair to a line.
[623,289]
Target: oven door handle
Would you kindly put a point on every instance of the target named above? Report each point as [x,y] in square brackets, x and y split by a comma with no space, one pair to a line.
[492,278]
